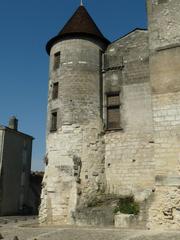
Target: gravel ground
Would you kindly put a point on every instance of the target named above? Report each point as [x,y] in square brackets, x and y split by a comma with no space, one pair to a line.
[26,228]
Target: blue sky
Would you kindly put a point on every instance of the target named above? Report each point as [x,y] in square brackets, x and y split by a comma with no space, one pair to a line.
[26,26]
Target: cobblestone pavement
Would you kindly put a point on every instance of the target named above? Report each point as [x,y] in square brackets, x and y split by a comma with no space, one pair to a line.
[26,228]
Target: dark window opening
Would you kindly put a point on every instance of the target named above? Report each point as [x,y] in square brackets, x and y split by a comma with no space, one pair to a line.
[113,111]
[57,60]
[162,1]
[53,121]
[55,90]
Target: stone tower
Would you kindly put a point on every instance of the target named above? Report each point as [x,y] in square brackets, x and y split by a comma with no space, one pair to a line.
[75,147]
[164,45]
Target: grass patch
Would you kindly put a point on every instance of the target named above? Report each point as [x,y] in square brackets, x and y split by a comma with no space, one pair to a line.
[127,205]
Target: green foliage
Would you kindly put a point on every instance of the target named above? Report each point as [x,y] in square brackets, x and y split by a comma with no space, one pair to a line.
[127,205]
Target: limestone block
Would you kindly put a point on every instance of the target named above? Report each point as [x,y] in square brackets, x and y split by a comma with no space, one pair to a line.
[168,180]
[176,215]
[164,212]
[125,220]
[140,196]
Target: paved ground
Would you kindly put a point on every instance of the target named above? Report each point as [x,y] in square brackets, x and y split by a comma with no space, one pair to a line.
[27,229]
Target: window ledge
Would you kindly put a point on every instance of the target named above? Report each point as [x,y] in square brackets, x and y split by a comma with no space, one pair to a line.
[53,130]
[113,129]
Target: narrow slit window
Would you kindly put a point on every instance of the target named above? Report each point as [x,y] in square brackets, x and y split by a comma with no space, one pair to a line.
[53,121]
[113,111]
[55,90]
[57,57]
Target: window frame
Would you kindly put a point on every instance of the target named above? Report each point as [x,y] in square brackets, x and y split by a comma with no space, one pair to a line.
[112,106]
[53,121]
[56,60]
[55,90]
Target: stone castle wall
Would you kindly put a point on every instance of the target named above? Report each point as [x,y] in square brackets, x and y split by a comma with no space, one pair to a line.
[142,157]
[129,152]
[164,75]
[163,23]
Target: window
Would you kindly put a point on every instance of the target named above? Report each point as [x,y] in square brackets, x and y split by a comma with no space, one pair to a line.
[23,178]
[55,90]
[57,60]
[162,1]
[113,111]
[53,121]
[24,160]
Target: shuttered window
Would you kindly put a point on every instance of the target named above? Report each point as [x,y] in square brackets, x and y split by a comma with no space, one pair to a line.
[57,60]
[55,90]
[113,111]
[113,100]
[53,121]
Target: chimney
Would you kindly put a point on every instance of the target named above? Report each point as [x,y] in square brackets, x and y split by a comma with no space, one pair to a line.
[13,123]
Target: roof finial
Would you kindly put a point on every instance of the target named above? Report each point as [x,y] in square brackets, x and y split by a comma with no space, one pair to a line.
[81,3]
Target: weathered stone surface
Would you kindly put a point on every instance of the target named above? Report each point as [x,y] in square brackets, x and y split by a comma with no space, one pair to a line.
[141,157]
[163,23]
[165,209]
[76,150]
[124,220]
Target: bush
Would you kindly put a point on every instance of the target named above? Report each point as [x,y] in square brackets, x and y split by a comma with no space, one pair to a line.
[127,205]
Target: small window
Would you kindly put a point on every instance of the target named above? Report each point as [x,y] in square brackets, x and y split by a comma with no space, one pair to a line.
[57,60]
[162,1]
[55,90]
[113,111]
[24,160]
[53,121]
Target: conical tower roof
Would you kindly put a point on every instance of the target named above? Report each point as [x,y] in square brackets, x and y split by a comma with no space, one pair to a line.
[80,24]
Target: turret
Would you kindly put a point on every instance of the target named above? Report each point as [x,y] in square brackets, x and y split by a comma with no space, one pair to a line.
[75,149]
[75,71]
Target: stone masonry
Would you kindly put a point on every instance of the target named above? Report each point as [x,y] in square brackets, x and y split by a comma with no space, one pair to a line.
[132,84]
[164,45]
[76,151]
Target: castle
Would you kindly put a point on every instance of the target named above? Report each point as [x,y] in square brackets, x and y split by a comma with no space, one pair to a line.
[113,122]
